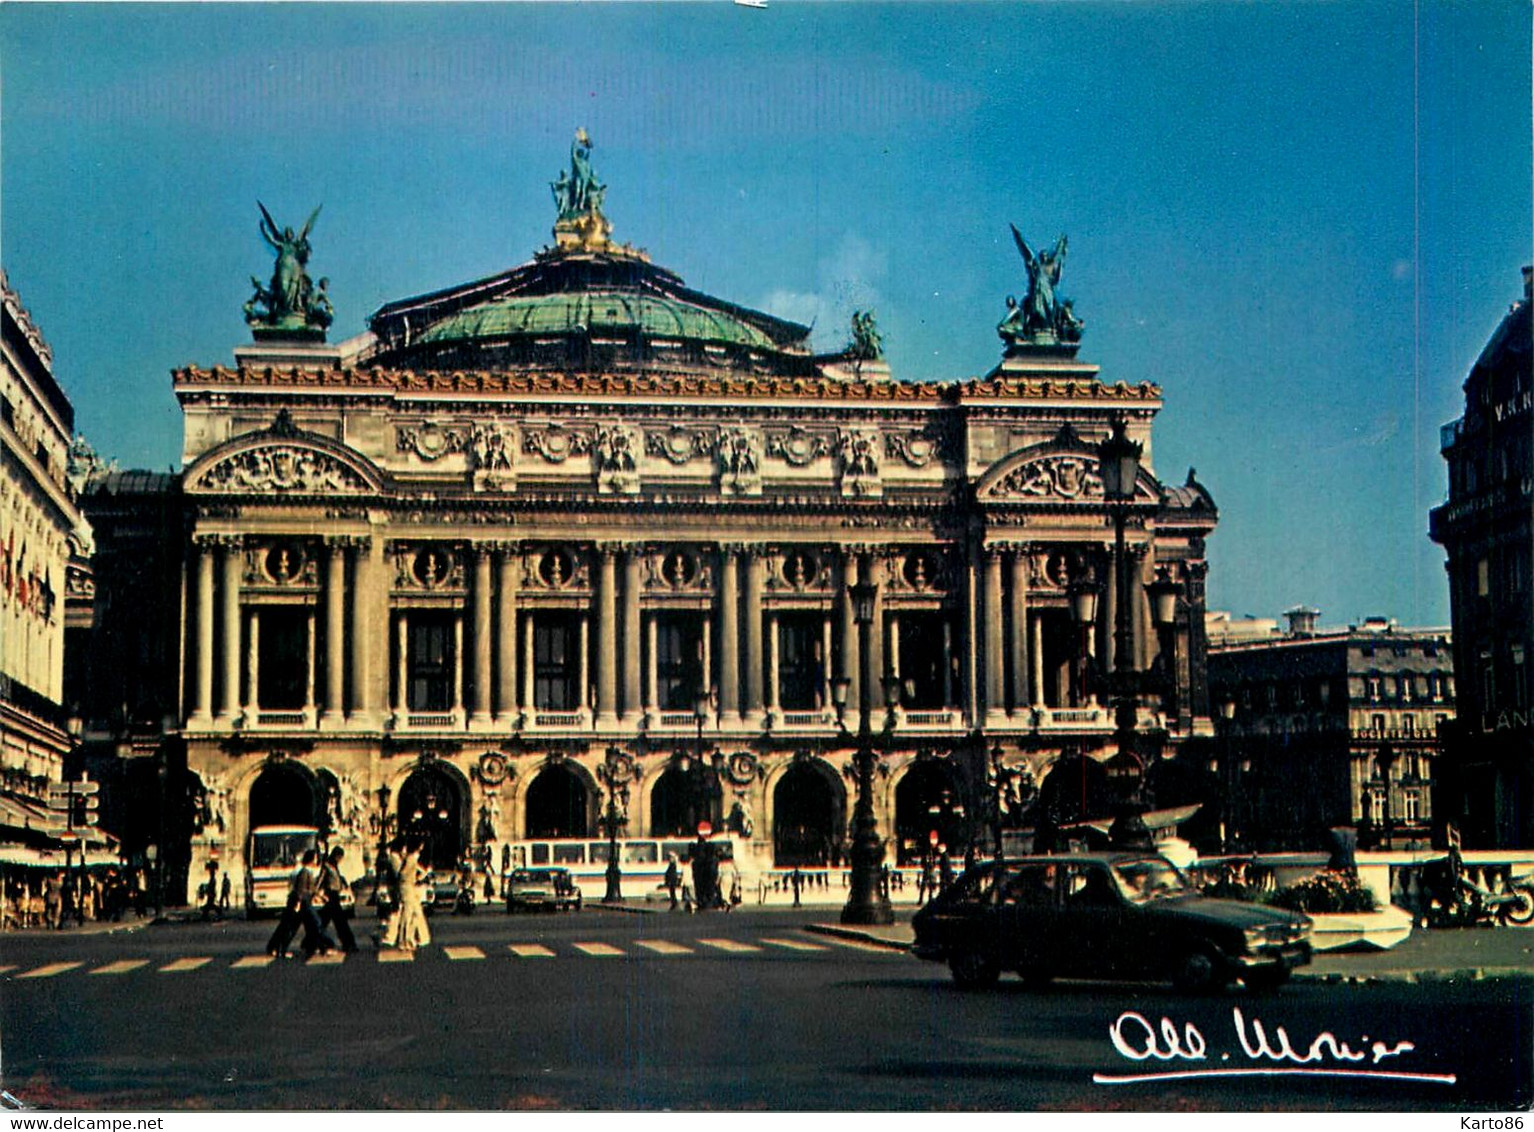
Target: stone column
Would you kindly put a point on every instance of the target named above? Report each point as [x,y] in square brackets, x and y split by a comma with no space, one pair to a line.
[311,647]
[971,657]
[528,702]
[729,633]
[947,661]
[458,665]
[1110,615]
[483,611]
[506,636]
[234,566]
[607,636]
[1141,623]
[826,650]
[253,665]
[995,695]
[852,666]
[1021,699]
[877,665]
[369,630]
[335,638]
[652,668]
[1036,631]
[708,655]
[772,663]
[202,705]
[633,671]
[755,577]
[401,665]
[583,691]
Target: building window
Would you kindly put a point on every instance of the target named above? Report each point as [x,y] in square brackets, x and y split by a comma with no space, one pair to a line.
[556,661]
[1408,724]
[1483,577]
[678,660]
[429,662]
[1404,685]
[1488,682]
[1376,688]
[922,659]
[800,669]
[284,659]
[1520,680]
[1377,724]
[1411,806]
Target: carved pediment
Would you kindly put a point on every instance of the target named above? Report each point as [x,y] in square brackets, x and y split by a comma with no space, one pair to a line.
[286,461]
[1053,473]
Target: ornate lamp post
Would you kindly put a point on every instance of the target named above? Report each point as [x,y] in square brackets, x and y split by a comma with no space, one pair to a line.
[614,775]
[1163,592]
[1082,596]
[1119,466]
[867,903]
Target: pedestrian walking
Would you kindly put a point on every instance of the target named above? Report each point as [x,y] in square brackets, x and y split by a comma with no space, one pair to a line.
[386,894]
[225,895]
[673,879]
[299,910]
[335,900]
[796,881]
[944,868]
[735,891]
[413,929]
[53,903]
[926,886]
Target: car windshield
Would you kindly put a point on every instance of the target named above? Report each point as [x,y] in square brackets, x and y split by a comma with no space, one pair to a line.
[1150,879]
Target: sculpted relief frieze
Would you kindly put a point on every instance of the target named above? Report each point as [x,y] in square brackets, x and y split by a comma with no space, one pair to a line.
[555,443]
[740,461]
[678,444]
[282,468]
[858,451]
[1051,477]
[798,447]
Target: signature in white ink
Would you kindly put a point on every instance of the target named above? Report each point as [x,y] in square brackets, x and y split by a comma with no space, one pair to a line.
[1136,1038]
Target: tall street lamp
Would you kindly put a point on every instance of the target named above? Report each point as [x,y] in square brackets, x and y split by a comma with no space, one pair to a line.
[614,775]
[867,902]
[1119,466]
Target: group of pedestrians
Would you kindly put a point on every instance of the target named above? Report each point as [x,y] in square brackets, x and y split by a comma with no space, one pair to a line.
[402,883]
[318,897]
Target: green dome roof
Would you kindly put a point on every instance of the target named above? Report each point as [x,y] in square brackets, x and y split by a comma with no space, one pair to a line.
[597,313]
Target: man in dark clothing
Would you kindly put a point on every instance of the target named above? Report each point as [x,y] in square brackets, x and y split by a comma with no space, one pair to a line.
[300,910]
[334,908]
[673,880]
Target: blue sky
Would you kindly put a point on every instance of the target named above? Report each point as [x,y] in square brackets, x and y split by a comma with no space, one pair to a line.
[1302,220]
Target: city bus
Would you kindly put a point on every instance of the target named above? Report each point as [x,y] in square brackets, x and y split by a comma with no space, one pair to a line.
[272,852]
[641,862]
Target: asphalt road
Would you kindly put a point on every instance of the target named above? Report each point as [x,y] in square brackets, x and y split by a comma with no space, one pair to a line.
[745,1011]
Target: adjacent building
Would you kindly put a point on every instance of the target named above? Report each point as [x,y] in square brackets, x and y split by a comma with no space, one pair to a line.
[1484,528]
[1328,727]
[578,536]
[44,560]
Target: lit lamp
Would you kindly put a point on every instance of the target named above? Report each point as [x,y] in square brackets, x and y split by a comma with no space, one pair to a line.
[867,902]
[152,855]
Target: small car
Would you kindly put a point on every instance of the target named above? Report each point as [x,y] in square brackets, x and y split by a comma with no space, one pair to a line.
[1104,916]
[542,890]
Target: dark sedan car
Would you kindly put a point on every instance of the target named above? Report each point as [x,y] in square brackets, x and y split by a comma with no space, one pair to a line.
[1108,916]
[542,890]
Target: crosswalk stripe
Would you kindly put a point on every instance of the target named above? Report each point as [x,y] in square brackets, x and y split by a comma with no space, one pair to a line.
[253,961]
[664,947]
[327,958]
[7,967]
[598,950]
[121,966]
[729,945]
[189,964]
[795,944]
[531,951]
[463,953]
[48,971]
[395,955]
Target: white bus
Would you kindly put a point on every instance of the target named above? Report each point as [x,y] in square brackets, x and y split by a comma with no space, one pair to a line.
[272,852]
[641,862]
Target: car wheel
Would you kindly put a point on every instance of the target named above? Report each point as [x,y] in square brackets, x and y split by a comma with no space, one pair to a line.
[974,971]
[1198,970]
[1522,912]
[1268,979]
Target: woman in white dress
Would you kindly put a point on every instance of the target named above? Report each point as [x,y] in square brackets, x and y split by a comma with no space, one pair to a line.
[413,930]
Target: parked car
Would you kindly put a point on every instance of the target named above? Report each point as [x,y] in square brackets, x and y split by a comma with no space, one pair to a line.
[1104,916]
[542,890]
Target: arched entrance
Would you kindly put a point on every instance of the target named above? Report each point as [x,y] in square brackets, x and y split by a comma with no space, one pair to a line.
[1075,789]
[284,794]
[686,793]
[432,807]
[558,804]
[927,801]
[806,825]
